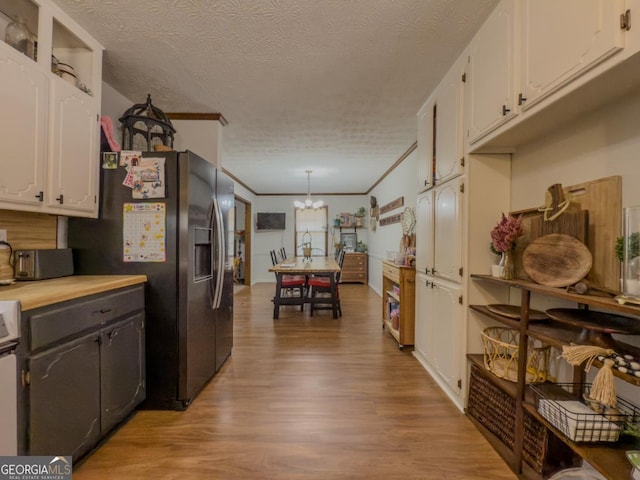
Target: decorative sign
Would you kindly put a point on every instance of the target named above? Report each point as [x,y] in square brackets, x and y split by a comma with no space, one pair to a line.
[398,202]
[349,241]
[391,219]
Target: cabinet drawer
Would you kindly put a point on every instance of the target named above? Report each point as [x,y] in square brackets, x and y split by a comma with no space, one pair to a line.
[391,272]
[360,266]
[49,325]
[352,260]
[354,268]
[353,277]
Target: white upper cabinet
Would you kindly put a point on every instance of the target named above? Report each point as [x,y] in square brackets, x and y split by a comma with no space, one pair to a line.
[560,40]
[425,145]
[73,170]
[439,231]
[491,73]
[50,124]
[448,117]
[23,129]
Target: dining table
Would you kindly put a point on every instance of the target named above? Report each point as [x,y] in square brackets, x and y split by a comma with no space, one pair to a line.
[308,266]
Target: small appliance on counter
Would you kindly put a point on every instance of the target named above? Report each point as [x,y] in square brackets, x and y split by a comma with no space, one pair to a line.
[40,264]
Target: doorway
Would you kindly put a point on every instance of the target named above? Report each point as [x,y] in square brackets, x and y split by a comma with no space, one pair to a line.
[242,243]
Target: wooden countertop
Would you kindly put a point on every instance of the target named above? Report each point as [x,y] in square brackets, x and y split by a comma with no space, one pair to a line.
[39,293]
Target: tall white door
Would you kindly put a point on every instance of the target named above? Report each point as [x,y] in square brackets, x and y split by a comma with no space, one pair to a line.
[424,232]
[448,230]
[449,141]
[447,341]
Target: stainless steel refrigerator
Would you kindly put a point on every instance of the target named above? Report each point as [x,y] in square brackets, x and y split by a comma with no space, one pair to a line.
[189,293]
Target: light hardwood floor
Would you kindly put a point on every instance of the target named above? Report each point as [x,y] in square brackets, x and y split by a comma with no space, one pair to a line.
[305,398]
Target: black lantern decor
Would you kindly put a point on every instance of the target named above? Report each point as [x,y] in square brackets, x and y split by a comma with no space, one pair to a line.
[144,126]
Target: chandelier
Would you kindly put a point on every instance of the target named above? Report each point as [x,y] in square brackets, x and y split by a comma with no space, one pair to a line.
[308,203]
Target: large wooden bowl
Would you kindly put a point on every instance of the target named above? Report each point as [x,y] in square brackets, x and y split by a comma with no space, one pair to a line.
[557,260]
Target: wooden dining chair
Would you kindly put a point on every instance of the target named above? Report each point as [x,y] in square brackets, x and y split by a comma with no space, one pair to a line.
[319,292]
[291,285]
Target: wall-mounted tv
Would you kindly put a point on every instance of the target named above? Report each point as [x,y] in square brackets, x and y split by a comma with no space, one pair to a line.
[270,221]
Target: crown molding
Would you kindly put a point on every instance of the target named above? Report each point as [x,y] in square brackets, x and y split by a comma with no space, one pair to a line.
[197,116]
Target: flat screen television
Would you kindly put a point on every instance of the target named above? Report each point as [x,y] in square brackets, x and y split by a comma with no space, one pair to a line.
[270,221]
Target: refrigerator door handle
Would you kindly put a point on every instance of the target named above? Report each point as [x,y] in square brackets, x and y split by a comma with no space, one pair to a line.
[220,251]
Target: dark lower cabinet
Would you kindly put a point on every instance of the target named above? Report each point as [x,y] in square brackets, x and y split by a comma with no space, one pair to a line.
[64,409]
[84,372]
[122,370]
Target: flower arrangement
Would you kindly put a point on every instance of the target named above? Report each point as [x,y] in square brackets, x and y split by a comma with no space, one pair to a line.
[505,233]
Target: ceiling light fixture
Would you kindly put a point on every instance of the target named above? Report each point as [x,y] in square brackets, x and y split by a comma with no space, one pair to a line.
[308,203]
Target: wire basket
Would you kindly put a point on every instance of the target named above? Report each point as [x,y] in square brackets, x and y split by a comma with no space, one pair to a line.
[501,346]
[567,407]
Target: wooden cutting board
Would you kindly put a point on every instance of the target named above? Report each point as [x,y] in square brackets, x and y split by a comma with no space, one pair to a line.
[557,260]
[602,198]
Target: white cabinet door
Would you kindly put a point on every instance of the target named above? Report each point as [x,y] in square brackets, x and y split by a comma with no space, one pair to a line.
[425,146]
[422,338]
[448,230]
[447,332]
[424,232]
[491,73]
[561,40]
[448,112]
[74,157]
[23,128]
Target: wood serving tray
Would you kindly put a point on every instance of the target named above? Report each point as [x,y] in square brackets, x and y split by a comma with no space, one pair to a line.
[557,260]
[513,311]
[597,327]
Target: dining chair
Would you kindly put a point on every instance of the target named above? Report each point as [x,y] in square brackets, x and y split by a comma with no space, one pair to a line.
[292,285]
[283,254]
[319,290]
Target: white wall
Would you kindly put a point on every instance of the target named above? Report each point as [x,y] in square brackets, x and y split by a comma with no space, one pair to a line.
[202,137]
[114,105]
[604,143]
[263,242]
[401,182]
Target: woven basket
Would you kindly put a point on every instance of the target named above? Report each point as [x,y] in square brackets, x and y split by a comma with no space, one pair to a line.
[496,410]
[501,355]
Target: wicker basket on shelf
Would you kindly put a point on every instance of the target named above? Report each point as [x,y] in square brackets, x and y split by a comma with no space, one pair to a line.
[501,355]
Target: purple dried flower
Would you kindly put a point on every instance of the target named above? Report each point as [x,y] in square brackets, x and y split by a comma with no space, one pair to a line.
[505,233]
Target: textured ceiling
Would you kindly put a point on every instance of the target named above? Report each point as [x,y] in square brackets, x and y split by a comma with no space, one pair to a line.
[327,85]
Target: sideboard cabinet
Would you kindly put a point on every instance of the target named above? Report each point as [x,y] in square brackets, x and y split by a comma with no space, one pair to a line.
[354,268]
[398,302]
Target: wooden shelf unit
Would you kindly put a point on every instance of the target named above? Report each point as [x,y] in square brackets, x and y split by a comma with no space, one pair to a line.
[404,278]
[354,268]
[610,460]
